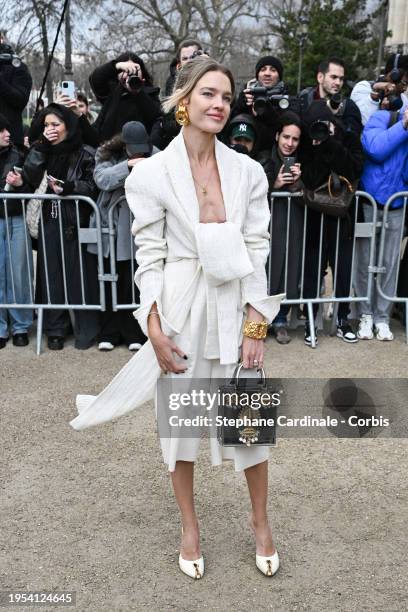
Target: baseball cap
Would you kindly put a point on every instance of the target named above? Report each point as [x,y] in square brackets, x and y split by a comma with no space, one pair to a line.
[243,130]
[136,139]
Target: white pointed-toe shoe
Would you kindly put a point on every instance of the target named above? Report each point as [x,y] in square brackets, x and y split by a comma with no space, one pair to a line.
[194,569]
[268,565]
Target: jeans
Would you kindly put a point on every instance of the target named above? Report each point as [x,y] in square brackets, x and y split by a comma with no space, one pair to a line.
[378,307]
[15,276]
[281,319]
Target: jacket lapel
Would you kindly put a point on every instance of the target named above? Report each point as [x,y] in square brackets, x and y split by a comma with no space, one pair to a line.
[181,179]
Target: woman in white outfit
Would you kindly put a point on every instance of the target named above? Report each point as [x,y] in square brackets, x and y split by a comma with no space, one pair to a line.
[201,228]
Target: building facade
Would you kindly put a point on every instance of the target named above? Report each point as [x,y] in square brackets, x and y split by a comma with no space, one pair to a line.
[398,24]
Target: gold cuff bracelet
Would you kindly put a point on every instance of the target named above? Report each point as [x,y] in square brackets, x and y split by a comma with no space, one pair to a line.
[255,329]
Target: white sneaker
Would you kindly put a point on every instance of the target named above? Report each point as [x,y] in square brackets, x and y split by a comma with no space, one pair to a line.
[105,346]
[383,332]
[135,346]
[365,328]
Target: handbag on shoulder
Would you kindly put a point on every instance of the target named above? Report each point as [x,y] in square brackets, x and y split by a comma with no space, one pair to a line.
[33,208]
[333,197]
[247,408]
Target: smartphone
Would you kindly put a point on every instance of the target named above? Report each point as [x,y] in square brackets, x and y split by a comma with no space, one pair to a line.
[68,89]
[16,170]
[288,162]
[57,181]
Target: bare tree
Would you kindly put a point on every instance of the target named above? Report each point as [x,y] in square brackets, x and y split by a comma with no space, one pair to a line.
[215,22]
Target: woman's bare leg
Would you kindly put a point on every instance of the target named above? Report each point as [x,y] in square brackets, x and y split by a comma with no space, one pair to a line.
[183,479]
[257,480]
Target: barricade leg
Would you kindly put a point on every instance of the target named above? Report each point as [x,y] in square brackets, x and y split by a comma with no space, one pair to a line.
[333,326]
[312,324]
[40,313]
[406,321]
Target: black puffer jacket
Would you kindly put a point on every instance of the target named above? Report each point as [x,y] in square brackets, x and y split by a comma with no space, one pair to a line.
[120,105]
[69,161]
[9,157]
[15,87]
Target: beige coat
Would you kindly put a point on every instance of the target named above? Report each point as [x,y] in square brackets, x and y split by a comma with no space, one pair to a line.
[232,256]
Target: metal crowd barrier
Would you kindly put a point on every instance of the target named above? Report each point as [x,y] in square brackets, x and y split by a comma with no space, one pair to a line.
[382,269]
[112,249]
[85,236]
[362,231]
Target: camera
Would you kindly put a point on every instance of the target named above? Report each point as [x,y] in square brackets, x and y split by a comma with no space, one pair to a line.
[394,100]
[135,83]
[266,96]
[319,130]
[8,57]
[335,103]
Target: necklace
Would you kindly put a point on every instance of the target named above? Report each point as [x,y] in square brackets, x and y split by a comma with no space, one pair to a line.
[202,187]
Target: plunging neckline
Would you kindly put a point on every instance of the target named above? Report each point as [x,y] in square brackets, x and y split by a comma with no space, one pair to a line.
[220,181]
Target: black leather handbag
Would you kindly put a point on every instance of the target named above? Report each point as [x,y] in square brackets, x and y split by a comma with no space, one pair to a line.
[333,197]
[247,410]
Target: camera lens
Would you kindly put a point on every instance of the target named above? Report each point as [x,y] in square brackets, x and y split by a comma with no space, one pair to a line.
[134,83]
[319,130]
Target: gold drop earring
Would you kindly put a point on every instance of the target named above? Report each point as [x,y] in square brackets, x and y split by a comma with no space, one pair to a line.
[182,117]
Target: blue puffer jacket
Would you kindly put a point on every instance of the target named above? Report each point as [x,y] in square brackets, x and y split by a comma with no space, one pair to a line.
[386,168]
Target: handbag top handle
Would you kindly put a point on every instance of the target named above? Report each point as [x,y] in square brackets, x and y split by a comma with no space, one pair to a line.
[237,371]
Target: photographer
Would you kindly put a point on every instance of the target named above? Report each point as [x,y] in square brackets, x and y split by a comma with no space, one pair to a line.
[166,127]
[15,87]
[188,49]
[387,93]
[268,75]
[330,80]
[126,91]
[340,151]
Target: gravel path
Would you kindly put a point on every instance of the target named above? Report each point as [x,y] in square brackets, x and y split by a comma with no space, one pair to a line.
[93,512]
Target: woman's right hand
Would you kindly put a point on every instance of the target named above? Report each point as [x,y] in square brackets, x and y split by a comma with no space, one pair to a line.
[164,347]
[283,178]
[14,178]
[51,135]
[128,67]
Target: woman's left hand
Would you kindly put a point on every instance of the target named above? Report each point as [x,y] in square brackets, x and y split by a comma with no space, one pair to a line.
[252,352]
[58,189]
[296,172]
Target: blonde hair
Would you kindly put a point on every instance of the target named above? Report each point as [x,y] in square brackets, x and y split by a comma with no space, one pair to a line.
[189,76]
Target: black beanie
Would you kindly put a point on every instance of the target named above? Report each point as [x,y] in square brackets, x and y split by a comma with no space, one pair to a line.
[269,60]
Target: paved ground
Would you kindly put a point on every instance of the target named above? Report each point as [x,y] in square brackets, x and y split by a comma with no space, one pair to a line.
[93,511]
